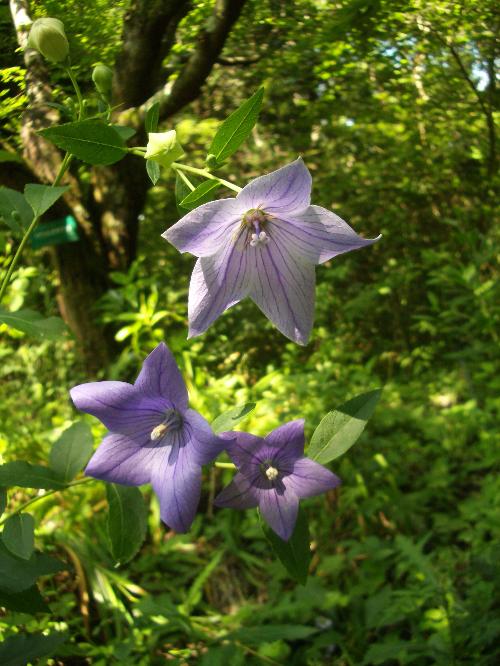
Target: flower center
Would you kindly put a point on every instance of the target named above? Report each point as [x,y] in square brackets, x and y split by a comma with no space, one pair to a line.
[256,220]
[171,423]
[272,473]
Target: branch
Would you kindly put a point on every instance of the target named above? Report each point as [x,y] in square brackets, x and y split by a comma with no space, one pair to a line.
[210,42]
[148,35]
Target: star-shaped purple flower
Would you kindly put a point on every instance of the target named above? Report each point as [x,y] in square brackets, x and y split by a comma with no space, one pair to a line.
[274,474]
[264,244]
[154,437]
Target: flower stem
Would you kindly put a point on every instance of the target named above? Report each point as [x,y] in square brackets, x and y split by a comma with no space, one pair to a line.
[5,282]
[41,497]
[206,174]
[185,179]
[77,91]
[223,465]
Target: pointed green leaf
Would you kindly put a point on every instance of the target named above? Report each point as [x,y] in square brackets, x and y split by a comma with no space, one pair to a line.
[19,535]
[27,601]
[124,131]
[340,429]
[33,323]
[23,649]
[42,197]
[71,451]
[90,140]
[152,117]
[181,192]
[126,521]
[25,475]
[14,210]
[294,554]
[153,171]
[235,129]
[228,420]
[17,574]
[200,195]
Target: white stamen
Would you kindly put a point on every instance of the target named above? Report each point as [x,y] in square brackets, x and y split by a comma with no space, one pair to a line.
[271,473]
[158,432]
[259,239]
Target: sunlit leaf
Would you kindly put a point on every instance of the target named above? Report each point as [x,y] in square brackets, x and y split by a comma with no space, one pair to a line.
[42,197]
[71,451]
[228,420]
[203,193]
[33,323]
[340,429]
[90,140]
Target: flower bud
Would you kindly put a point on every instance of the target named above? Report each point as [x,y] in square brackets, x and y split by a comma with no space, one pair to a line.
[47,36]
[102,76]
[211,161]
[163,148]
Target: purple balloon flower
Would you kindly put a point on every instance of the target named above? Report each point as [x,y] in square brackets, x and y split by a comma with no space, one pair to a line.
[154,437]
[264,244]
[274,474]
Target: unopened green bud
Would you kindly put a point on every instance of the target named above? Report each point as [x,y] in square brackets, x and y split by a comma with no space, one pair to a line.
[47,36]
[211,161]
[102,76]
[163,148]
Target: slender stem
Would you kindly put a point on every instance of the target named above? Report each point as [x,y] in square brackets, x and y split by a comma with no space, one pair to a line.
[5,282]
[206,174]
[77,91]
[186,180]
[225,465]
[38,498]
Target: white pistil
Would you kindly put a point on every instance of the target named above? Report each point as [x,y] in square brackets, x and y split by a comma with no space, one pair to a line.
[259,239]
[158,432]
[271,473]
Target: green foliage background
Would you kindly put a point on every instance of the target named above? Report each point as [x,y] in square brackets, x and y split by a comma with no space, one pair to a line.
[386,102]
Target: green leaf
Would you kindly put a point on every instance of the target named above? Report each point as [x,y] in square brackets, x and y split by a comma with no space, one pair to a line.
[268,633]
[14,210]
[126,521]
[124,131]
[33,323]
[28,601]
[153,171]
[19,535]
[235,129]
[232,417]
[25,475]
[294,554]
[200,195]
[152,117]
[181,192]
[22,649]
[3,499]
[17,575]
[71,451]
[42,197]
[8,156]
[90,140]
[340,429]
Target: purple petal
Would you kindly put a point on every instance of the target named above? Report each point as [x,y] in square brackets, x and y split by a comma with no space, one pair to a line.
[203,231]
[317,234]
[239,494]
[204,445]
[119,406]
[309,478]
[120,459]
[283,287]
[287,441]
[287,189]
[279,510]
[176,479]
[217,283]
[160,377]
[246,449]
